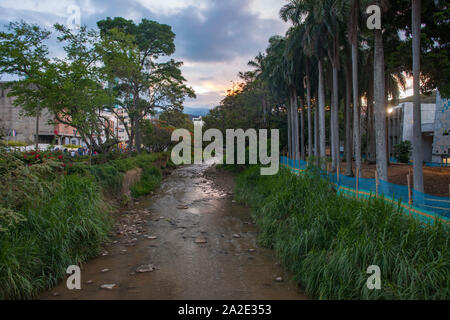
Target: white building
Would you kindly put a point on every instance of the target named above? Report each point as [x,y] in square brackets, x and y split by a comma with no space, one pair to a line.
[435,118]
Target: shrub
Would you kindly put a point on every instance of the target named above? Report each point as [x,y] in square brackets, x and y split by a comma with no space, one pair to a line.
[328,241]
[13,143]
[150,180]
[402,151]
[72,146]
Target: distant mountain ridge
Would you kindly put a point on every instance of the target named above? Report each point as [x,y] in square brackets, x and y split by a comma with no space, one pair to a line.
[196,111]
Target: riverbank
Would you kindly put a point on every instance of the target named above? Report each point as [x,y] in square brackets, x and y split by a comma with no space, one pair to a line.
[328,241]
[53,215]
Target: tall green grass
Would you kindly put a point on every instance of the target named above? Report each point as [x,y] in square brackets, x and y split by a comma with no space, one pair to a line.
[328,241]
[150,180]
[49,221]
[110,174]
[67,229]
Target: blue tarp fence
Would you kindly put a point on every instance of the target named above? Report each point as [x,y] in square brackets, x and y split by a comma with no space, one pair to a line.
[425,207]
[394,160]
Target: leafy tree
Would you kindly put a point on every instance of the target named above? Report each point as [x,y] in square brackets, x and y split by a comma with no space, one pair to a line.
[156,135]
[130,53]
[177,119]
[23,53]
[75,93]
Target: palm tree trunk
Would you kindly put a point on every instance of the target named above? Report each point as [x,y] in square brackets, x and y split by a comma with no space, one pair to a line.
[302,131]
[335,115]
[356,126]
[295,123]
[348,122]
[288,107]
[371,141]
[417,117]
[380,108]
[316,134]
[308,102]
[332,142]
[321,95]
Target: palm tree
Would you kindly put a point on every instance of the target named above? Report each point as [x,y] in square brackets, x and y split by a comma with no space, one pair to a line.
[275,74]
[311,14]
[295,11]
[258,64]
[335,15]
[295,57]
[417,121]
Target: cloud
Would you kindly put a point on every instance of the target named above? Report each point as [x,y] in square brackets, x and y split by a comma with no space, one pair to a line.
[222,31]
[215,38]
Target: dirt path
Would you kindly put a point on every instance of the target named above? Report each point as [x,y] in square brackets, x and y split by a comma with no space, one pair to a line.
[205,248]
[436,179]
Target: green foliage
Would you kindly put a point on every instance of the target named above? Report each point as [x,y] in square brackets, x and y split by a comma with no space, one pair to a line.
[76,95]
[106,175]
[150,180]
[328,241]
[66,228]
[156,135]
[177,119]
[402,151]
[14,143]
[23,184]
[71,146]
[130,54]
[110,174]
[24,54]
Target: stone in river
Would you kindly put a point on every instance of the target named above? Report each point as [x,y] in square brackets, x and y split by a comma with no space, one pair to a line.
[146,268]
[201,240]
[108,286]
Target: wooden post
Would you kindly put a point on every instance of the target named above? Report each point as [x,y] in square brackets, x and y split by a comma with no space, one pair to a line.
[357,184]
[338,173]
[408,177]
[376,182]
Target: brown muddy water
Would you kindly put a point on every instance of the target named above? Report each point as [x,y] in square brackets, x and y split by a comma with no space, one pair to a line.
[206,248]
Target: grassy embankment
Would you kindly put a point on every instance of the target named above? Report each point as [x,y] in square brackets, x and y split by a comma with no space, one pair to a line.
[328,241]
[51,217]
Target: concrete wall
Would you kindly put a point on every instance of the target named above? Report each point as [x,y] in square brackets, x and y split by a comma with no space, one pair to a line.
[427,147]
[441,145]
[11,119]
[428,117]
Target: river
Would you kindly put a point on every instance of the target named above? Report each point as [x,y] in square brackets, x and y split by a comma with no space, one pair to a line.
[201,243]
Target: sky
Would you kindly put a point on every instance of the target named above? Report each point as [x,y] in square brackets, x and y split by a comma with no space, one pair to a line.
[214,38]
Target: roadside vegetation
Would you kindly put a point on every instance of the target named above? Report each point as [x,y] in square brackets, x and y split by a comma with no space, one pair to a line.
[328,241]
[53,214]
